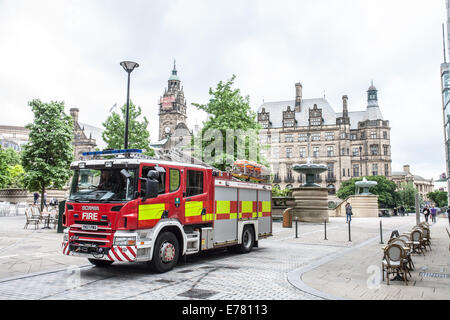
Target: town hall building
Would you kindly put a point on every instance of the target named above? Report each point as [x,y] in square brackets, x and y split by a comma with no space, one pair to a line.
[351,144]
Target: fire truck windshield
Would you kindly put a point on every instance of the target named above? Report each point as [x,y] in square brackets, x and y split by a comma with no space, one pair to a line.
[103,185]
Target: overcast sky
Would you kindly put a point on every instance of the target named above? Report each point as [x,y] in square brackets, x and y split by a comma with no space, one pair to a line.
[71,50]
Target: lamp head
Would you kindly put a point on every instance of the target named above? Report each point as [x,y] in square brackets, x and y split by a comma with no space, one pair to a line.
[129,66]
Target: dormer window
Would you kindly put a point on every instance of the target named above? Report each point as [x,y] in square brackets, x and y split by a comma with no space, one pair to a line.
[315,116]
[289,118]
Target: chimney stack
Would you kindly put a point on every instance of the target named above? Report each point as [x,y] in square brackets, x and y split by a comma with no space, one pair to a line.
[298,97]
[74,113]
[345,106]
[406,168]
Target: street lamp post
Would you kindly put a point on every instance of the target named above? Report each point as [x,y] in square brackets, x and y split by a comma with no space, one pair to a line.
[128,66]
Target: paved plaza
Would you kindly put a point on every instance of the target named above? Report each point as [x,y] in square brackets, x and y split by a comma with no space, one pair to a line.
[283,267]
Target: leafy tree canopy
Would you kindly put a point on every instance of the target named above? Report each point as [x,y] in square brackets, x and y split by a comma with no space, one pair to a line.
[47,156]
[8,159]
[385,189]
[439,198]
[229,111]
[138,135]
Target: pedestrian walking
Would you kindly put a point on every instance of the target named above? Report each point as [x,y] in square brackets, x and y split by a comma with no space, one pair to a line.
[348,212]
[433,214]
[395,211]
[426,213]
[448,215]
[36,197]
[402,210]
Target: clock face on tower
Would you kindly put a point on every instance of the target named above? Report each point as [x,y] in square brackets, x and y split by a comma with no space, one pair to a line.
[167,130]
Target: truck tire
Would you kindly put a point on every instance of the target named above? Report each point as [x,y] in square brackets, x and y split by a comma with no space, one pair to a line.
[248,240]
[100,263]
[165,253]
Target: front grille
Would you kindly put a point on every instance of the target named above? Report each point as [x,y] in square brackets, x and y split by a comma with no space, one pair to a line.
[91,235]
[94,223]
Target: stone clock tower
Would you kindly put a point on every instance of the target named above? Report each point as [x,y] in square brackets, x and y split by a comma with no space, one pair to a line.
[172,109]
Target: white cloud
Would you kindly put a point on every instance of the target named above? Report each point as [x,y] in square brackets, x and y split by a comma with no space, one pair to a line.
[70,50]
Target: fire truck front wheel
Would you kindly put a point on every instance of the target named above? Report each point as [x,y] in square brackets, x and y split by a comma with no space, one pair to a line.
[165,253]
[100,263]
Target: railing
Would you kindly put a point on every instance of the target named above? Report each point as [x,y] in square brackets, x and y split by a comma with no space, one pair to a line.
[289,179]
[9,209]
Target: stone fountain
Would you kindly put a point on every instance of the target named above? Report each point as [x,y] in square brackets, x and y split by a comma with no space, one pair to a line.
[365,186]
[311,200]
[364,203]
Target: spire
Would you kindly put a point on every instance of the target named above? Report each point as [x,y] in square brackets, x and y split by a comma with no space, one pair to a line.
[174,71]
[174,75]
[372,96]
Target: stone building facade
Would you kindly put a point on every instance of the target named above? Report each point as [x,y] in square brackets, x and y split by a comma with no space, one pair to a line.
[422,185]
[13,137]
[82,140]
[351,144]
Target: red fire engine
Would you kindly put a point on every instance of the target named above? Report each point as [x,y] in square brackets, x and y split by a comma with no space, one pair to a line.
[132,209]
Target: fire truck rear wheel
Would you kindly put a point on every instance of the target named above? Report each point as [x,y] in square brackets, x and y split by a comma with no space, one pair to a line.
[248,240]
[165,253]
[100,263]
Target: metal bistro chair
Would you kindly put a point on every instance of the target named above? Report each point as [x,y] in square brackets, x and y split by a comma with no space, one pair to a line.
[416,239]
[426,237]
[31,219]
[53,217]
[407,249]
[394,261]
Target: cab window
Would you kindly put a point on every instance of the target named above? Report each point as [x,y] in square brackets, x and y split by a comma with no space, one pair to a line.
[174,183]
[161,180]
[194,183]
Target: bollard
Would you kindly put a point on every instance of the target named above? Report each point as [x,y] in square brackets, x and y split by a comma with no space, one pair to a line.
[325,229]
[381,232]
[296,228]
[349,231]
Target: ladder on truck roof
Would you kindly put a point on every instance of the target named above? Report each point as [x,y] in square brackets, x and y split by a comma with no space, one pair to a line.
[174,155]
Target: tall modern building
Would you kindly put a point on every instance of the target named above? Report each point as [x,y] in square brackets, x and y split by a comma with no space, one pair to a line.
[351,143]
[445,87]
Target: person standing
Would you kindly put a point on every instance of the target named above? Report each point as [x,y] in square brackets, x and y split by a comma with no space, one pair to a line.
[45,199]
[448,215]
[402,210]
[348,212]
[426,213]
[433,214]
[36,197]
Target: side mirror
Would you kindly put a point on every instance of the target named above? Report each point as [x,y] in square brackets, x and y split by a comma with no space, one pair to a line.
[151,185]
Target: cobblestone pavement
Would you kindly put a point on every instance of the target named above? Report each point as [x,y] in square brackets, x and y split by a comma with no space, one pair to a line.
[261,274]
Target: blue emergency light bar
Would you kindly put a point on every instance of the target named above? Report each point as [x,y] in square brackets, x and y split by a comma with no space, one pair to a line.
[106,152]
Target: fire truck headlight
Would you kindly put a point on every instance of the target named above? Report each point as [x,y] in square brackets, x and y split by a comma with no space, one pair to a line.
[125,241]
[66,237]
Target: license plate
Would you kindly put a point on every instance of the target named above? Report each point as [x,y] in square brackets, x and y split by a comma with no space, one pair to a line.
[89,228]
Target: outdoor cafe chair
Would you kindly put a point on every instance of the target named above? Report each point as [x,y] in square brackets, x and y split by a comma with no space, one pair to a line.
[31,219]
[394,262]
[416,239]
[53,217]
[426,237]
[403,243]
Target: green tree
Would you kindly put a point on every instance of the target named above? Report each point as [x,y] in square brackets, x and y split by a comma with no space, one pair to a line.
[8,158]
[16,176]
[138,135]
[47,156]
[232,119]
[407,195]
[385,190]
[438,197]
